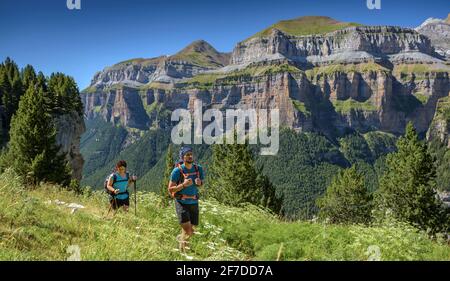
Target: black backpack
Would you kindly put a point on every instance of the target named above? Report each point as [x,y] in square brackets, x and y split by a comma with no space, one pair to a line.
[105,184]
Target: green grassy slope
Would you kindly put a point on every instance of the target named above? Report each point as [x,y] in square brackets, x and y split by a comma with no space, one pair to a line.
[34,227]
[307,25]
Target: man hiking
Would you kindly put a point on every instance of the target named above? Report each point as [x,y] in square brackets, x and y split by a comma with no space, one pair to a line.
[185,179]
[118,186]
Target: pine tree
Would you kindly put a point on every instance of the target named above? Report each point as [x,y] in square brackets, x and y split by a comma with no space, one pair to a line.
[164,183]
[32,151]
[11,90]
[233,178]
[347,199]
[3,125]
[64,94]
[28,76]
[407,189]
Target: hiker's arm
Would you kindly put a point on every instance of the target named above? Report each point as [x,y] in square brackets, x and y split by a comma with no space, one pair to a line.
[199,181]
[132,179]
[110,185]
[173,187]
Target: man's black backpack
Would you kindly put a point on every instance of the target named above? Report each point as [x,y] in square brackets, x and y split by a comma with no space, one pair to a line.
[105,184]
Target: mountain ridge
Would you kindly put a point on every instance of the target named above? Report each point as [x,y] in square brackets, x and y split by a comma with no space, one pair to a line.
[366,63]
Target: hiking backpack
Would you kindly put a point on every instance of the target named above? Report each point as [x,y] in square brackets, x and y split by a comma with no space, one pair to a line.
[183,175]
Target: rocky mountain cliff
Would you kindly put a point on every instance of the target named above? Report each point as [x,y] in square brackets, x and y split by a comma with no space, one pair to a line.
[323,75]
[199,56]
[438,30]
[69,128]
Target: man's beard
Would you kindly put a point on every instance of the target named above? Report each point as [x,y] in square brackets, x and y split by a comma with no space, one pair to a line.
[190,161]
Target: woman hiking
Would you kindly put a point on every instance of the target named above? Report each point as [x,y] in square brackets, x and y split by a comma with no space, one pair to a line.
[118,186]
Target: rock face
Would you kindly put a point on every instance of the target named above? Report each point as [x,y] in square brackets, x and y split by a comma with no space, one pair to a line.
[353,44]
[192,60]
[440,127]
[70,127]
[356,78]
[438,30]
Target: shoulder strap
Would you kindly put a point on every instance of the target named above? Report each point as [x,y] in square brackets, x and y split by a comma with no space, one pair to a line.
[181,169]
[182,176]
[115,178]
[197,171]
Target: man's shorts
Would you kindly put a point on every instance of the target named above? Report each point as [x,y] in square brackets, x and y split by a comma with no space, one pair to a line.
[117,203]
[187,212]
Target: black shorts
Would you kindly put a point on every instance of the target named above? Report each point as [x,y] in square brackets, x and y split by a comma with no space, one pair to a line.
[187,212]
[120,202]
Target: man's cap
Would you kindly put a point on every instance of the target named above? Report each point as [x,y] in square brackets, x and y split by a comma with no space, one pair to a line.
[183,151]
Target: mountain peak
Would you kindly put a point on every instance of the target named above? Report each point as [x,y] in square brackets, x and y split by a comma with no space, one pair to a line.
[202,53]
[198,46]
[434,21]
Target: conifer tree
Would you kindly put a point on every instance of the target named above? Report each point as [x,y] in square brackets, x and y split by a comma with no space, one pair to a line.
[11,90]
[407,189]
[28,76]
[64,94]
[164,183]
[32,151]
[346,199]
[233,178]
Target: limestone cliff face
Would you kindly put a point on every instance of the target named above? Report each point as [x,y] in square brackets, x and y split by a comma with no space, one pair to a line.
[261,92]
[353,44]
[359,78]
[138,74]
[363,101]
[69,128]
[440,126]
[438,30]
[192,60]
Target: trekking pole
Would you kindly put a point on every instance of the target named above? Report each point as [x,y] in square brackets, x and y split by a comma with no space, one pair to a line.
[117,206]
[135,200]
[114,201]
[109,209]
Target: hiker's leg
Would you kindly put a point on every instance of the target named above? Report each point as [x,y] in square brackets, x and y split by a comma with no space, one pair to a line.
[186,229]
[114,204]
[192,211]
[194,216]
[186,232]
[184,220]
[125,203]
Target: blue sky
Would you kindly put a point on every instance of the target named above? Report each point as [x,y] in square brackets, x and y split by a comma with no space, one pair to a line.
[53,38]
